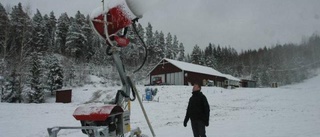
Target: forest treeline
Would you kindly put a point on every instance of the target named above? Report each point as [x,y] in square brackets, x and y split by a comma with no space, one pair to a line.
[47,52]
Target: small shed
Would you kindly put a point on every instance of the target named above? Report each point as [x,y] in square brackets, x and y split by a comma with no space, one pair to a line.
[173,72]
[248,83]
[64,95]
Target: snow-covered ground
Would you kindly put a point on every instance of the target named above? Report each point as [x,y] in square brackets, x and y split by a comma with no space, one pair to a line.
[289,111]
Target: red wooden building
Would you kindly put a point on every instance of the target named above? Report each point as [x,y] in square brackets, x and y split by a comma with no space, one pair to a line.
[172,72]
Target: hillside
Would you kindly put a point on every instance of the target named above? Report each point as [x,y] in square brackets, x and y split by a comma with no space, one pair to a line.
[285,111]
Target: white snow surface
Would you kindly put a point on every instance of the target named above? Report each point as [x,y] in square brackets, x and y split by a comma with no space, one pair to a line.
[288,111]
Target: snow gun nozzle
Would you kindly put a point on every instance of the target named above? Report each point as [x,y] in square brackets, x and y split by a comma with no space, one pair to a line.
[116,15]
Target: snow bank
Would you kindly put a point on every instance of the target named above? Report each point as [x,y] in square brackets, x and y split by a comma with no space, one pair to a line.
[286,111]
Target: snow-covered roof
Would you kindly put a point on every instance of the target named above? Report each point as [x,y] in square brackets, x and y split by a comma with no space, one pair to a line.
[230,77]
[195,68]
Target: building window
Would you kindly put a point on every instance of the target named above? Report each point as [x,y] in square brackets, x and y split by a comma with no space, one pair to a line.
[157,79]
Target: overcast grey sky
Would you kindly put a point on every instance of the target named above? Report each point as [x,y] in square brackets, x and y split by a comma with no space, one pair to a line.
[242,24]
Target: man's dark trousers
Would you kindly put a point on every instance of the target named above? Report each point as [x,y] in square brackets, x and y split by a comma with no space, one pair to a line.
[199,128]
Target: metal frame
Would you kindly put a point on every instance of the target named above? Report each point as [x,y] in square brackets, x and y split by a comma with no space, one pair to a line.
[53,132]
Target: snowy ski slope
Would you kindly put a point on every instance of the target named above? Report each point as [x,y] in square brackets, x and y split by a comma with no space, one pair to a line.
[292,110]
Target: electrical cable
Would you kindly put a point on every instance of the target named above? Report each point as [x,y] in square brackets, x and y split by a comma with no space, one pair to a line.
[143,44]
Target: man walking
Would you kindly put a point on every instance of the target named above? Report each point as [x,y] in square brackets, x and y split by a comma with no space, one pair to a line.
[198,111]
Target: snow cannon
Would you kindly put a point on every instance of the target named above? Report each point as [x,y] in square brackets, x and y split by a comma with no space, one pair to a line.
[111,116]
[116,15]
[112,119]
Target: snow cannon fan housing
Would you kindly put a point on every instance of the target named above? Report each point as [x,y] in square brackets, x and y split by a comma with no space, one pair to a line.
[96,113]
[117,15]
[114,117]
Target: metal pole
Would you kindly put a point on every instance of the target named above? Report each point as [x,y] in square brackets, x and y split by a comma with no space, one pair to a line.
[102,5]
[141,105]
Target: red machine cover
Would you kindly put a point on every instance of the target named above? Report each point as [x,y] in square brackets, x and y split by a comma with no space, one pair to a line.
[95,113]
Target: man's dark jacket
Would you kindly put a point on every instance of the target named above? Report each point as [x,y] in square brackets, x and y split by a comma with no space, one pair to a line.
[198,108]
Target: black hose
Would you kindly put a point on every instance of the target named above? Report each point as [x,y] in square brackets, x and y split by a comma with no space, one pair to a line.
[144,45]
[118,94]
[122,93]
[132,89]
[133,94]
[109,53]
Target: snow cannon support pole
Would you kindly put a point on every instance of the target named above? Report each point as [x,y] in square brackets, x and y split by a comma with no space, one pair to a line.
[141,105]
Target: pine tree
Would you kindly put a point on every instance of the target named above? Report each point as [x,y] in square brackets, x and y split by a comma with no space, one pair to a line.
[264,78]
[19,45]
[75,42]
[132,36]
[80,19]
[36,95]
[48,29]
[181,52]
[134,39]
[209,56]
[40,35]
[69,75]
[78,33]
[55,75]
[188,58]
[127,53]
[161,45]
[3,70]
[99,57]
[4,33]
[202,59]
[134,51]
[149,36]
[140,50]
[50,25]
[20,35]
[175,48]
[156,38]
[196,57]
[141,32]
[61,33]
[12,94]
[150,43]
[218,56]
[158,47]
[168,45]
[89,36]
